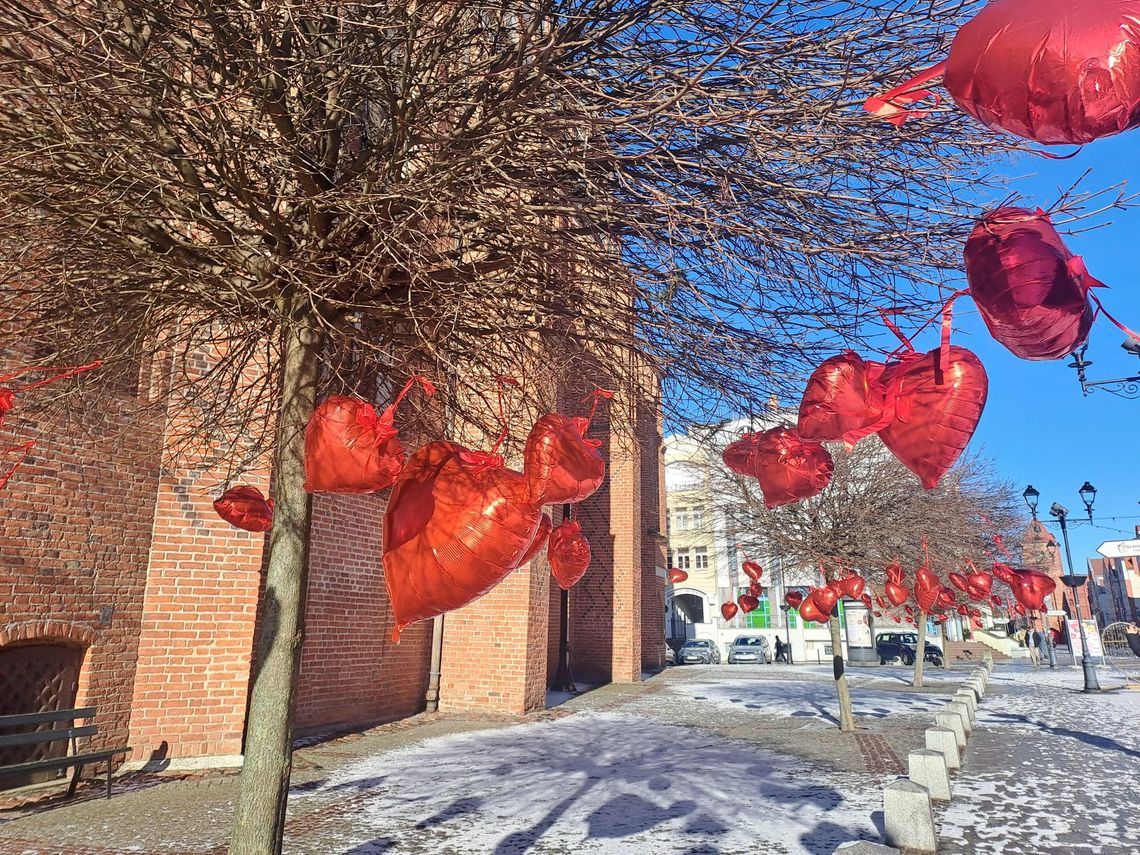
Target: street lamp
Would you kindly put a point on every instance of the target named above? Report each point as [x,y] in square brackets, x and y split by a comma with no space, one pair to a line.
[1073,581]
[1124,387]
[1031,495]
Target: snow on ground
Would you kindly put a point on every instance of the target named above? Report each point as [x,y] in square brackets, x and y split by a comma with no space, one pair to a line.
[594,783]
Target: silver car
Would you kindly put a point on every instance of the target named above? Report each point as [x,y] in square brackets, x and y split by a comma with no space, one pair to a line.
[750,648]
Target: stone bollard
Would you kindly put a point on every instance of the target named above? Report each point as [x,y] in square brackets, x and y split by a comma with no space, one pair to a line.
[970,700]
[953,721]
[865,847]
[908,817]
[942,739]
[960,708]
[980,675]
[977,688]
[927,768]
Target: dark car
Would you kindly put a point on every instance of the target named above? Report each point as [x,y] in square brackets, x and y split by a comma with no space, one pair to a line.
[699,651]
[749,648]
[904,646]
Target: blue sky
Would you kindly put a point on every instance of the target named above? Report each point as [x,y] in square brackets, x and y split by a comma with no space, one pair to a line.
[1037,426]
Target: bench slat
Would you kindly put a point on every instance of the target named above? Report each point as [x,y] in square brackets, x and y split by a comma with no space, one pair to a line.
[36,737]
[44,717]
[62,762]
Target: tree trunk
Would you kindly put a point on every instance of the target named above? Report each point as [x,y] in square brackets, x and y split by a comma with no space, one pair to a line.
[846,719]
[259,821]
[945,646]
[920,652]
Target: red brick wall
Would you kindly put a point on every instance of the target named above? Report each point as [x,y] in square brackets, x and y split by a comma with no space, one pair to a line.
[351,670]
[74,536]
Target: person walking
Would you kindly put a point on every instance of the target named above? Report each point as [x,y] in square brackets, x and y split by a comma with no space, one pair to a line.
[780,657]
[1035,641]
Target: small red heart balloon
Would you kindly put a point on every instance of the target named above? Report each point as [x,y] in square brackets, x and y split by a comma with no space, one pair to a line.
[1004,572]
[975,593]
[245,507]
[960,582]
[755,590]
[897,594]
[926,598]
[997,601]
[895,572]
[560,462]
[677,575]
[748,603]
[946,598]
[925,578]
[866,600]
[753,570]
[878,614]
[843,400]
[908,609]
[852,586]
[881,603]
[825,599]
[936,410]
[728,610]
[794,598]
[569,554]
[977,623]
[963,610]
[789,468]
[982,581]
[810,610]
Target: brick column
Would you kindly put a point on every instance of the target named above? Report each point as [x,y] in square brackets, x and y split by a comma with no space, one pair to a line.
[625,520]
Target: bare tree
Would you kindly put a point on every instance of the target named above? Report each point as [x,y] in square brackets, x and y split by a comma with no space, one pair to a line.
[874,513]
[284,200]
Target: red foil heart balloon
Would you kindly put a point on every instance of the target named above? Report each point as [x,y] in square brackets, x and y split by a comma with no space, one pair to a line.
[844,400]
[676,575]
[810,610]
[794,598]
[960,582]
[246,508]
[753,570]
[982,581]
[755,590]
[569,554]
[878,614]
[924,577]
[1031,291]
[882,604]
[1031,588]
[963,610]
[740,456]
[728,610]
[458,522]
[897,594]
[866,600]
[997,601]
[926,598]
[788,468]
[825,599]
[560,462]
[894,572]
[1004,572]
[853,586]
[936,411]
[748,603]
[946,598]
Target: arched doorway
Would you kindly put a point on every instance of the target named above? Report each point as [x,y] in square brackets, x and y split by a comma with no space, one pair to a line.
[686,610]
[39,676]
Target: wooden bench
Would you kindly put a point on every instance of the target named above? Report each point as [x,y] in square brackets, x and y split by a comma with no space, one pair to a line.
[71,732]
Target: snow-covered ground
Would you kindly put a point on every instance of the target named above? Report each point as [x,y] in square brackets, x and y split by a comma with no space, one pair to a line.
[595,782]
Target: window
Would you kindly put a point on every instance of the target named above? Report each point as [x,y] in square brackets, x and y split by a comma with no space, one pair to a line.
[697,518]
[681,560]
[682,520]
[701,558]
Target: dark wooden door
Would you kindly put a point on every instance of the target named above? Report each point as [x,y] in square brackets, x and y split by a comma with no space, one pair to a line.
[36,678]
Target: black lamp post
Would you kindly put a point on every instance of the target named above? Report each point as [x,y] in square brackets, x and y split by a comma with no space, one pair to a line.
[1031,497]
[1074,581]
[1123,387]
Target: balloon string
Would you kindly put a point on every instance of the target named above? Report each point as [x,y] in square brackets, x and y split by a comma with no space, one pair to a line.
[1103,311]
[429,389]
[25,448]
[596,396]
[63,373]
[893,327]
[503,382]
[891,105]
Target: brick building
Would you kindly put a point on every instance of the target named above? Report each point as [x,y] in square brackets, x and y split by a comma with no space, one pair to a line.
[120,588]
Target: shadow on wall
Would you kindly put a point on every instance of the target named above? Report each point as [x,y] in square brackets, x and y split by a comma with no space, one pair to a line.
[649,787]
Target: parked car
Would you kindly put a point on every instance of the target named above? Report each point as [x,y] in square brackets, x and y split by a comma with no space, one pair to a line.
[700,651]
[750,648]
[904,646]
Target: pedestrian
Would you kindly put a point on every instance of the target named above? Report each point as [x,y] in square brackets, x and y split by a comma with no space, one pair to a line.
[1035,648]
[780,657]
[1132,634]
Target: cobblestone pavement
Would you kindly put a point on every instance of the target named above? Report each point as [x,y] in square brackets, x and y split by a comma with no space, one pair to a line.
[698,760]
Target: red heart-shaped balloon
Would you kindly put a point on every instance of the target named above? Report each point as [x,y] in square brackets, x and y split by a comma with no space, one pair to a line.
[789,468]
[349,448]
[975,594]
[925,578]
[246,508]
[560,462]
[748,603]
[882,604]
[752,570]
[1004,572]
[909,609]
[843,400]
[997,601]
[1031,588]
[975,613]
[853,586]
[677,575]
[963,610]
[878,614]
[810,610]
[458,522]
[866,600]
[982,581]
[569,554]
[740,456]
[794,598]
[960,582]
[540,538]
[977,623]
[936,411]
[946,598]
[755,590]
[897,594]
[894,572]
[926,598]
[1020,609]
[728,610]
[825,598]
